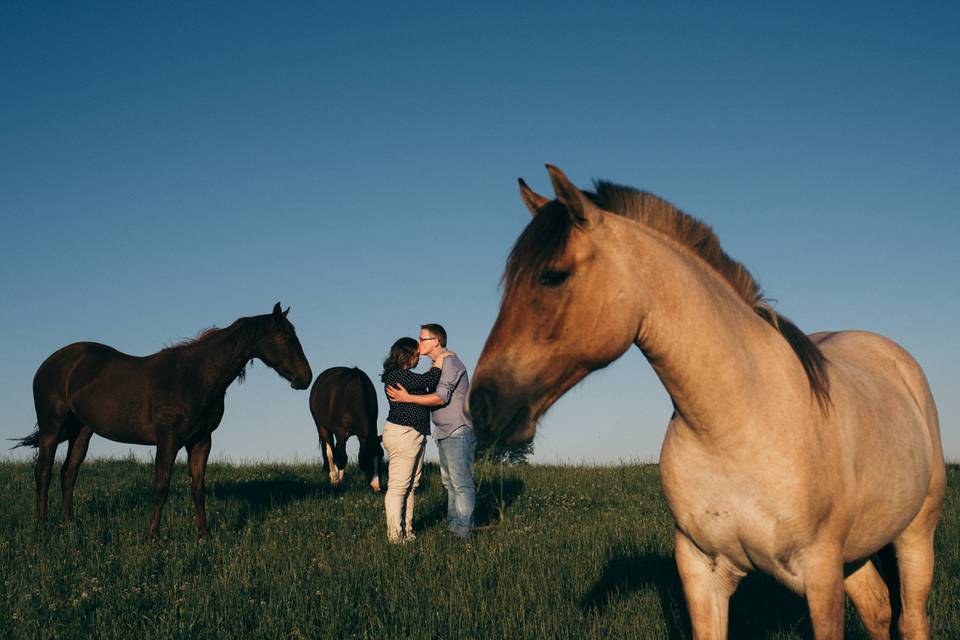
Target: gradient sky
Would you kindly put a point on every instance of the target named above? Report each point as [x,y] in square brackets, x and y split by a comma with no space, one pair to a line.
[165,167]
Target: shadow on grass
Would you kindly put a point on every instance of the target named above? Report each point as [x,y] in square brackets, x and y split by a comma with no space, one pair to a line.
[493,501]
[625,574]
[262,495]
[760,608]
[255,498]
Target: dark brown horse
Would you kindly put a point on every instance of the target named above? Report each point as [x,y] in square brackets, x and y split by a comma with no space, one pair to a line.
[343,402]
[171,399]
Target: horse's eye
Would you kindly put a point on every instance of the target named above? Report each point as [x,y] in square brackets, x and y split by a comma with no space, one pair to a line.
[553,278]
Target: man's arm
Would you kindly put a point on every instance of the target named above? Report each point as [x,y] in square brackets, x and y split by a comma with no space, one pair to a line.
[450,376]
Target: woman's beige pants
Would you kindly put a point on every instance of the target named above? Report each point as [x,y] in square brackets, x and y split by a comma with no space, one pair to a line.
[406,447]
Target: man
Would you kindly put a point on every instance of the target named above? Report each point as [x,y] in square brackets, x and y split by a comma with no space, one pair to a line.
[452,429]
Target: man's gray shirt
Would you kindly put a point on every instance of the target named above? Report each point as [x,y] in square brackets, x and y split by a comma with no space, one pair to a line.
[453,388]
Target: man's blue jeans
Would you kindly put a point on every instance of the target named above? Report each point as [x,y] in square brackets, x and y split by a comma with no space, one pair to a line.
[456,472]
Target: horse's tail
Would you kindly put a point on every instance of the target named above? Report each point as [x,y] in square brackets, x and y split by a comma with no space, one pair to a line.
[32,440]
[369,397]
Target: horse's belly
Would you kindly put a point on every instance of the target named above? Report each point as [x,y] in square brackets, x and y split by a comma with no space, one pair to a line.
[115,417]
[885,508]
[893,476]
[126,437]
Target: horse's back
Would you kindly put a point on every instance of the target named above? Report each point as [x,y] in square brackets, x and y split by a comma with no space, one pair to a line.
[875,362]
[344,397]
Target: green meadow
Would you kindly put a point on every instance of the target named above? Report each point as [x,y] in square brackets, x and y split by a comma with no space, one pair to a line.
[563,552]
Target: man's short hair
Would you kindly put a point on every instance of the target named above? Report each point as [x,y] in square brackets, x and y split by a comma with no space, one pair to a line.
[438,332]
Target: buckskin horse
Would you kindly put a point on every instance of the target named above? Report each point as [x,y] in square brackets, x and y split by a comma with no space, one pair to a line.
[170,399]
[343,402]
[799,456]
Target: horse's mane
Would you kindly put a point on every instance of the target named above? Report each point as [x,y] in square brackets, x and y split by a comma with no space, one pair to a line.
[547,234]
[202,336]
[246,329]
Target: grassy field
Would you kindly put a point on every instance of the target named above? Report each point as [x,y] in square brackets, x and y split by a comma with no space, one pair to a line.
[566,552]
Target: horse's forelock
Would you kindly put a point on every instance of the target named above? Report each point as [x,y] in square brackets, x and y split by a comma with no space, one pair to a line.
[544,238]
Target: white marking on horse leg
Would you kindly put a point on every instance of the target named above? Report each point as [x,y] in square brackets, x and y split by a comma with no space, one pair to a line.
[375,481]
[328,451]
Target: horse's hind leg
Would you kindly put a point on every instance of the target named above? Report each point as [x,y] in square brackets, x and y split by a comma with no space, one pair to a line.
[329,464]
[76,452]
[369,450]
[53,418]
[340,458]
[46,449]
[870,596]
[197,455]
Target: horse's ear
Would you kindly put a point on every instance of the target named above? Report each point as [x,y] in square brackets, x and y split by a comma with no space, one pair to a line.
[277,313]
[531,198]
[286,312]
[571,197]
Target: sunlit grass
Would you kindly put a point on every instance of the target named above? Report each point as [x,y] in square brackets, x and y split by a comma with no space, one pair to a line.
[564,552]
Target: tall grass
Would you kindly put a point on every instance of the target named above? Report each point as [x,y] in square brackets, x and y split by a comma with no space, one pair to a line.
[564,552]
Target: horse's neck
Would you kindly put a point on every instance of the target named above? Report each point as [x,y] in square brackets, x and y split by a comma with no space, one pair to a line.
[713,354]
[223,356]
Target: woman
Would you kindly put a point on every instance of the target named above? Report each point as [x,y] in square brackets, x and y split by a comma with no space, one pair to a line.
[405,434]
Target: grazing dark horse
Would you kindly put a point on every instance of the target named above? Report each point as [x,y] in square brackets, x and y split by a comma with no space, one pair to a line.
[171,399]
[343,402]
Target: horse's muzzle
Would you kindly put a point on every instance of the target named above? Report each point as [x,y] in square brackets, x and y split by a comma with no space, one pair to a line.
[497,416]
[301,383]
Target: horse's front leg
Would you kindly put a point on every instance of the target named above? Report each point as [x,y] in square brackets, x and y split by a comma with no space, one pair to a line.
[823,588]
[708,583]
[197,455]
[167,447]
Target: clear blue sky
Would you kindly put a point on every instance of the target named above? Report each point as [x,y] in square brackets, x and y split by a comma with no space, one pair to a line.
[166,167]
